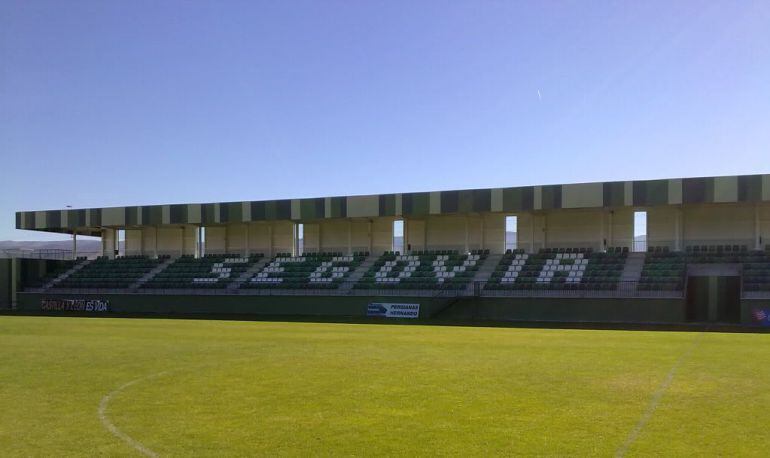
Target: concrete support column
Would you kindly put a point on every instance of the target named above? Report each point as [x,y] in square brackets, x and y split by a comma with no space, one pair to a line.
[155,250]
[610,238]
[227,240]
[181,231]
[406,235]
[109,237]
[603,232]
[466,234]
[270,240]
[369,235]
[197,253]
[350,237]
[531,233]
[483,235]
[74,245]
[246,250]
[757,229]
[678,230]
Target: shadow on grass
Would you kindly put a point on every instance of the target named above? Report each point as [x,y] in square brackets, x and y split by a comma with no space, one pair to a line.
[620,326]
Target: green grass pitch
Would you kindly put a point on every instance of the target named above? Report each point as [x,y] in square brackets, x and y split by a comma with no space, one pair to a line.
[214,388]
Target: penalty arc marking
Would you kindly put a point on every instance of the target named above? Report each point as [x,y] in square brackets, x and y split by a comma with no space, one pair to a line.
[102,411]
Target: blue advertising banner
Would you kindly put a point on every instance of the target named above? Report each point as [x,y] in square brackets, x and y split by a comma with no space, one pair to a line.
[388,310]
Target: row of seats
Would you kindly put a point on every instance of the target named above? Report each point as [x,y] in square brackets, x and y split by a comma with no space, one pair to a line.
[577,268]
[118,273]
[756,271]
[665,269]
[213,271]
[564,268]
[310,270]
[445,269]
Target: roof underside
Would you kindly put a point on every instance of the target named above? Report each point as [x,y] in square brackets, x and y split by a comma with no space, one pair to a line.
[729,189]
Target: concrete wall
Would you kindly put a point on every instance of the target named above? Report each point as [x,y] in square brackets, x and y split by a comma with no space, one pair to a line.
[149,241]
[170,241]
[337,236]
[620,227]
[716,224]
[671,225]
[216,240]
[312,237]
[382,234]
[133,244]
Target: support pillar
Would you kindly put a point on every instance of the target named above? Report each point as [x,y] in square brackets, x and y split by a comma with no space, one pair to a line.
[246,251]
[74,245]
[483,235]
[155,250]
[350,237]
[369,235]
[602,232]
[757,229]
[531,232]
[678,230]
[227,240]
[466,234]
[610,238]
[270,240]
[406,235]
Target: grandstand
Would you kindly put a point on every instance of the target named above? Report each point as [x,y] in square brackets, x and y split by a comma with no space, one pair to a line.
[536,252]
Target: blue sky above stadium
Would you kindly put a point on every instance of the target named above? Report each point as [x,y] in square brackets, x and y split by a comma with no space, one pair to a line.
[123,103]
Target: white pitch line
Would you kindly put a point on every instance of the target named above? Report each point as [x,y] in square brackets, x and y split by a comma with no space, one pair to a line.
[655,400]
[114,429]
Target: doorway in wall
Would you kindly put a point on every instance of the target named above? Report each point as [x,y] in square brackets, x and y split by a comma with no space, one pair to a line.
[640,232]
[511,233]
[201,242]
[714,299]
[398,236]
[120,243]
[299,239]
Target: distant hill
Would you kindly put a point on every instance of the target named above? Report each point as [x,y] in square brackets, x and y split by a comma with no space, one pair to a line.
[84,246]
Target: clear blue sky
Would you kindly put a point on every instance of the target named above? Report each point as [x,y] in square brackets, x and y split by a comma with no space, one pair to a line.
[142,102]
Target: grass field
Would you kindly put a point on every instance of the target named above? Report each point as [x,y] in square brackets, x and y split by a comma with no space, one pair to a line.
[188,387]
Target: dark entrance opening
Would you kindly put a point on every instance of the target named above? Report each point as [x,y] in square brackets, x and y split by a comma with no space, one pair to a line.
[715,299]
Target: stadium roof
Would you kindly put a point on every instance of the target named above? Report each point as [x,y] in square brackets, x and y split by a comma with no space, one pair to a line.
[645,193]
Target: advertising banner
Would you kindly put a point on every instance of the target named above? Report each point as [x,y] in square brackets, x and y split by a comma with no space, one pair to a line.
[387,310]
[75,305]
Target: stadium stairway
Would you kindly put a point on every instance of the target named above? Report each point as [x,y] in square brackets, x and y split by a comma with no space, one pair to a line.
[256,267]
[357,274]
[487,268]
[632,271]
[66,274]
[149,275]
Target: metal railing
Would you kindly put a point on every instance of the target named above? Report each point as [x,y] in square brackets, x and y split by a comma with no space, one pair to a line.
[472,289]
[52,254]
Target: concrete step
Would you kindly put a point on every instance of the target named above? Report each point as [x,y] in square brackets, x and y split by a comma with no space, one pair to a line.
[487,267]
[248,273]
[66,274]
[632,271]
[357,274]
[149,275]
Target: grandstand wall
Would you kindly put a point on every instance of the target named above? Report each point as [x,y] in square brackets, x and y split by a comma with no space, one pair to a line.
[6,283]
[444,309]
[575,255]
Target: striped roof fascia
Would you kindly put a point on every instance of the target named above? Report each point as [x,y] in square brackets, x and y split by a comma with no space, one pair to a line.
[638,193]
